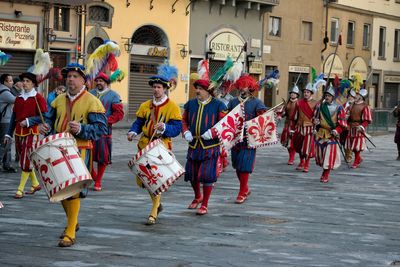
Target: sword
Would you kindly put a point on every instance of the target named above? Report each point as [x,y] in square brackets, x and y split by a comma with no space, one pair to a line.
[341,150]
[367,137]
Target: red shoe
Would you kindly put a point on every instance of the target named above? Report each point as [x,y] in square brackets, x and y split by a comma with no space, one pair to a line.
[19,196]
[97,188]
[195,203]
[305,169]
[242,198]
[324,179]
[290,162]
[202,211]
[33,190]
[300,166]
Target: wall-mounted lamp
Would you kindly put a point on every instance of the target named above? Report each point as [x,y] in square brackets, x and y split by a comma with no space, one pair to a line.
[18,13]
[51,36]
[127,3]
[250,58]
[128,44]
[183,52]
[210,54]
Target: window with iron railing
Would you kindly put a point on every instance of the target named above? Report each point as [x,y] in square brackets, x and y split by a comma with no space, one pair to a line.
[61,19]
[396,55]
[382,42]
[350,33]
[366,35]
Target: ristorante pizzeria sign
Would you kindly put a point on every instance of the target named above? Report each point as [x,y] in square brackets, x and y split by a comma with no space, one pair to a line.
[18,35]
[226,44]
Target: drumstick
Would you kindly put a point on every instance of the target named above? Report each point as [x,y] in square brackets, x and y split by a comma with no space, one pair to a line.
[154,133]
[40,112]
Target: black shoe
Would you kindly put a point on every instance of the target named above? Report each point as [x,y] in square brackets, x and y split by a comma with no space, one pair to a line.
[10,169]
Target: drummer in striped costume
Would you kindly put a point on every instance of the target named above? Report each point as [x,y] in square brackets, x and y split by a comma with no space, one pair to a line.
[304,136]
[290,123]
[26,105]
[359,119]
[114,113]
[243,157]
[332,120]
[159,117]
[200,114]
[82,114]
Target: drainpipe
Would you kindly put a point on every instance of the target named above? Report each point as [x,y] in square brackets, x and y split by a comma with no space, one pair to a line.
[326,38]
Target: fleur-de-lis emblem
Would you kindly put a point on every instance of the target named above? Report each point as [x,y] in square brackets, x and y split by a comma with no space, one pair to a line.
[263,130]
[146,172]
[232,127]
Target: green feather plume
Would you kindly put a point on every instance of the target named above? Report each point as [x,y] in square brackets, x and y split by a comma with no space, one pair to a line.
[117,76]
[219,75]
[313,74]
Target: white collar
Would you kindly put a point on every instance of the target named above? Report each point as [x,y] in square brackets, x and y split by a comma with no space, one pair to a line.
[73,97]
[162,101]
[100,93]
[25,96]
[206,101]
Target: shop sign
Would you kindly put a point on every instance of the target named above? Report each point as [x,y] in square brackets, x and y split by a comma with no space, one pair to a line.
[18,35]
[299,69]
[358,65]
[227,44]
[149,50]
[255,68]
[337,67]
[391,79]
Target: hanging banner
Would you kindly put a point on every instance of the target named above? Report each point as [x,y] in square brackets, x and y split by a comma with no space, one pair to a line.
[261,131]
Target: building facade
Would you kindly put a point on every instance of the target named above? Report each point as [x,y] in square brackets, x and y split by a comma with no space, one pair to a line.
[149,32]
[381,32]
[292,44]
[222,28]
[51,25]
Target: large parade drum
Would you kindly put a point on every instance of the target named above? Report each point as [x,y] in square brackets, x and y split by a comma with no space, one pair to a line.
[62,171]
[157,167]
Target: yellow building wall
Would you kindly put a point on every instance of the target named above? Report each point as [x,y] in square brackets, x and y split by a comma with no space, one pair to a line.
[127,20]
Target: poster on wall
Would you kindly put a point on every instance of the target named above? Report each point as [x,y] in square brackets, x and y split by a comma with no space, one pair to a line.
[18,35]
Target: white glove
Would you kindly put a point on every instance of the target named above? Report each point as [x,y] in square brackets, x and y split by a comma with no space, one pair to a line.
[131,135]
[207,135]
[361,129]
[335,133]
[188,136]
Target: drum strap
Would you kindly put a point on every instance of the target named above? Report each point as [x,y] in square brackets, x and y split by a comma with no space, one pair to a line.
[67,114]
[152,118]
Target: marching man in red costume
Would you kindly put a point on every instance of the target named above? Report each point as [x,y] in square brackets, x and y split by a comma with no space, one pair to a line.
[331,120]
[199,116]
[26,105]
[290,123]
[359,119]
[244,157]
[304,136]
[114,113]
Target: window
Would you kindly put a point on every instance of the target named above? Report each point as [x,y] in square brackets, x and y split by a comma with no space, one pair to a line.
[350,33]
[366,35]
[61,19]
[306,30]
[334,30]
[275,26]
[397,44]
[100,14]
[382,42]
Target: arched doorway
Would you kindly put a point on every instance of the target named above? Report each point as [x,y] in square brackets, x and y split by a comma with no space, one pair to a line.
[150,48]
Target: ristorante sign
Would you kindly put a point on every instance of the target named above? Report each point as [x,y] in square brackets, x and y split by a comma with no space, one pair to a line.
[226,44]
[18,35]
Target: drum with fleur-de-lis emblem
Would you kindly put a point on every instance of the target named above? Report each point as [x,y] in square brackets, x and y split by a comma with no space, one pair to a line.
[62,171]
[156,166]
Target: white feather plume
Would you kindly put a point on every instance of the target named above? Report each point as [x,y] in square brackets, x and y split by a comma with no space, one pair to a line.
[42,64]
[234,73]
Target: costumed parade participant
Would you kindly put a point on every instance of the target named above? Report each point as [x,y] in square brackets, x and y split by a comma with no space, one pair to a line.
[243,157]
[28,104]
[290,123]
[396,114]
[304,137]
[330,120]
[358,121]
[351,94]
[114,113]
[81,114]
[200,114]
[157,118]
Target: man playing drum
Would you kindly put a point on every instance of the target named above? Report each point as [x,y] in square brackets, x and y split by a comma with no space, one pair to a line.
[81,114]
[204,149]
[158,118]
[26,105]
[114,113]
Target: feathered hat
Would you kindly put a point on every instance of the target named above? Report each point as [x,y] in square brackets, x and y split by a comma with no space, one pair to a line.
[330,90]
[230,71]
[271,80]
[202,78]
[103,77]
[356,82]
[43,67]
[166,75]
[30,76]
[74,67]
[246,81]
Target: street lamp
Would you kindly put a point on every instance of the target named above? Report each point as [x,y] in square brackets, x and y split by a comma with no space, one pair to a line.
[183,52]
